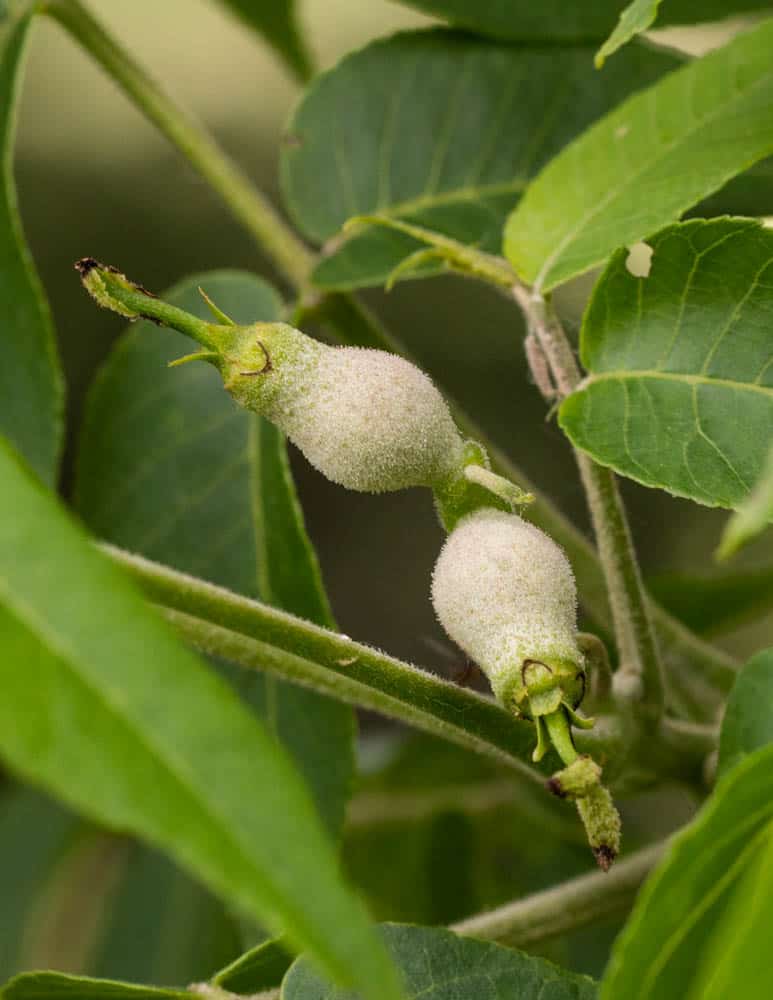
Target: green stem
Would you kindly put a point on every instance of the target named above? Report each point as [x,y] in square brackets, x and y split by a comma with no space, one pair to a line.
[113,290]
[246,203]
[567,907]
[560,733]
[640,676]
[258,636]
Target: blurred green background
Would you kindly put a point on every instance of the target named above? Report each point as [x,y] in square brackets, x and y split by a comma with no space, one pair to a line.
[95,179]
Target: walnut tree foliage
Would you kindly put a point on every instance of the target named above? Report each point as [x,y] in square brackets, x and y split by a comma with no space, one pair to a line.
[187,807]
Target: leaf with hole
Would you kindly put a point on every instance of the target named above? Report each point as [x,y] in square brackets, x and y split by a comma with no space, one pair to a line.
[31,387]
[681,360]
[643,165]
[685,922]
[112,714]
[441,964]
[442,130]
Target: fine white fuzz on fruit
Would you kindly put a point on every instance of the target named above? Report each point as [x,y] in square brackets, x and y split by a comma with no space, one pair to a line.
[504,591]
[367,420]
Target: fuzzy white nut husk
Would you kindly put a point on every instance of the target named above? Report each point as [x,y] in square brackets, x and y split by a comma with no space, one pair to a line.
[368,420]
[504,591]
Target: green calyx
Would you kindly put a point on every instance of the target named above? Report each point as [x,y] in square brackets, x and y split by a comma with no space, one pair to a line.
[542,688]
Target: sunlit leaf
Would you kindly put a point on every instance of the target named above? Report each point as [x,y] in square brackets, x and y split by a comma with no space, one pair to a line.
[113,715]
[647,162]
[679,932]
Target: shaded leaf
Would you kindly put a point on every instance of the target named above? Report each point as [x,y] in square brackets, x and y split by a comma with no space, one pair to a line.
[562,20]
[171,468]
[713,605]
[635,18]
[440,129]
[437,962]
[261,968]
[754,516]
[669,947]
[53,985]
[747,724]
[31,387]
[277,22]
[647,162]
[114,716]
[680,362]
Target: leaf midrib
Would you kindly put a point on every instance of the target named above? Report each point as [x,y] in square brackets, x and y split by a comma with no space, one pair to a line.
[633,178]
[654,374]
[461,194]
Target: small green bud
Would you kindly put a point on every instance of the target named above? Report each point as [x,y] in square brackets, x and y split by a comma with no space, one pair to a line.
[504,591]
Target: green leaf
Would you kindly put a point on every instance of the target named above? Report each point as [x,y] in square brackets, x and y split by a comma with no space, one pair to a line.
[278,24]
[635,18]
[563,20]
[113,715]
[31,387]
[443,130]
[747,724]
[671,934]
[54,985]
[438,963]
[713,605]
[753,518]
[680,390]
[647,162]
[738,962]
[261,968]
[169,467]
